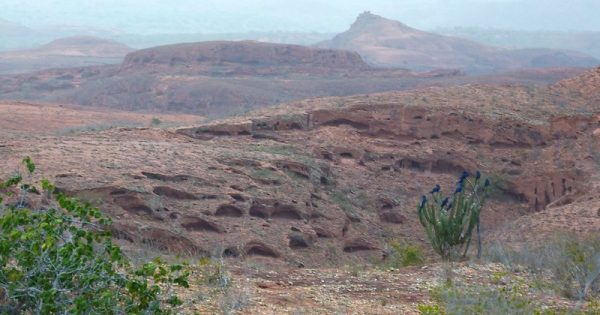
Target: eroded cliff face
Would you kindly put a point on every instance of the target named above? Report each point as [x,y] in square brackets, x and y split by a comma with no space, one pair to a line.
[425,131]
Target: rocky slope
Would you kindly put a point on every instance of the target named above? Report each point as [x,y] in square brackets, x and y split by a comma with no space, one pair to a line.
[333,180]
[387,43]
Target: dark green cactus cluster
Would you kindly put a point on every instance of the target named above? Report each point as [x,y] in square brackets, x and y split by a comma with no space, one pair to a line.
[449,220]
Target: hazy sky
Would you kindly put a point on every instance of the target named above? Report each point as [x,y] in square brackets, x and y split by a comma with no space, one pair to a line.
[209,16]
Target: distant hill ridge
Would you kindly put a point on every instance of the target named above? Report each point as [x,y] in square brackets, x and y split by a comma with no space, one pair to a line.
[387,43]
[68,52]
[87,45]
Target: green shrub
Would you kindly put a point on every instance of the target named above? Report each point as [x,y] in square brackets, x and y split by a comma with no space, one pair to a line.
[60,259]
[427,309]
[449,221]
[403,255]
[156,121]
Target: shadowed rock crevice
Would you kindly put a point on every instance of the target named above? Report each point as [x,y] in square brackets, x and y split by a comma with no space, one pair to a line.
[266,208]
[174,193]
[391,216]
[229,211]
[298,240]
[200,224]
[347,122]
[435,166]
[257,248]
[359,244]
[133,204]
[167,178]
[157,239]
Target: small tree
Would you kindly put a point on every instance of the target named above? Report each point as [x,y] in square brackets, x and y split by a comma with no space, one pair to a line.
[449,221]
[61,259]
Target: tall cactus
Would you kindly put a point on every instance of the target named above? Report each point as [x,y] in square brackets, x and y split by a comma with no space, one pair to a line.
[449,221]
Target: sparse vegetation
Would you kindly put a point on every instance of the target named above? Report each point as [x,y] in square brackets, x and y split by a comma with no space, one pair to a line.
[97,127]
[402,254]
[343,202]
[573,264]
[513,297]
[479,299]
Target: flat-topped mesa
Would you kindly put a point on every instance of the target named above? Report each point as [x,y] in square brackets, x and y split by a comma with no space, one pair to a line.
[244,53]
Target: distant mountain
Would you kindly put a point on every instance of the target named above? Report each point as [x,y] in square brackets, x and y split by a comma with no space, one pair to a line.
[75,51]
[387,43]
[86,46]
[14,36]
[586,42]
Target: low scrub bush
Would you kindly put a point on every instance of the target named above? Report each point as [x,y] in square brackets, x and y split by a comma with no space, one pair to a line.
[573,263]
[401,254]
[480,299]
[483,300]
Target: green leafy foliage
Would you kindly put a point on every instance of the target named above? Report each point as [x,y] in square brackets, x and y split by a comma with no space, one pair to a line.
[403,255]
[449,221]
[155,121]
[61,260]
[427,309]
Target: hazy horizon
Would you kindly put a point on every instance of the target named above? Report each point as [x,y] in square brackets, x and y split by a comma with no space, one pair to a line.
[227,16]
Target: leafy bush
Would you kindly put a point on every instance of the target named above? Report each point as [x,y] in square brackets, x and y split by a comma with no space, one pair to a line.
[427,309]
[449,221]
[155,121]
[403,255]
[60,259]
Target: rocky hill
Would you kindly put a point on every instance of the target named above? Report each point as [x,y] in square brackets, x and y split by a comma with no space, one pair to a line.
[327,181]
[387,43]
[67,52]
[304,201]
